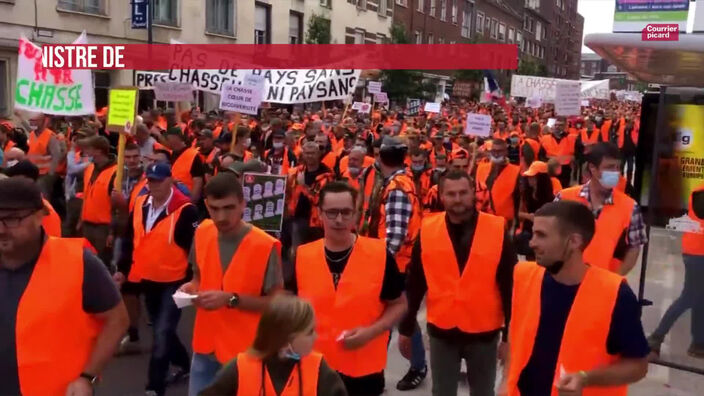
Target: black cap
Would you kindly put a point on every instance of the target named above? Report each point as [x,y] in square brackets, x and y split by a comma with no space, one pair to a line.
[17,193]
[23,168]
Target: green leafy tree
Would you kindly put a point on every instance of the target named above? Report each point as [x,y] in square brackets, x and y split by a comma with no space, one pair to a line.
[403,84]
[318,30]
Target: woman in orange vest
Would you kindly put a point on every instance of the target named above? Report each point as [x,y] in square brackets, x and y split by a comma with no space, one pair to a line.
[59,345]
[356,290]
[692,295]
[281,361]
[575,329]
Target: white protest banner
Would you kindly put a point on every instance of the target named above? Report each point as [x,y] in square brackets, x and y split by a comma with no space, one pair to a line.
[585,103]
[374,86]
[362,107]
[243,98]
[551,122]
[567,98]
[544,88]
[281,86]
[173,92]
[147,79]
[381,97]
[534,102]
[478,125]
[432,107]
[60,92]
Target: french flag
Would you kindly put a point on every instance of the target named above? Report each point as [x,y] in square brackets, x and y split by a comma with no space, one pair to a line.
[492,91]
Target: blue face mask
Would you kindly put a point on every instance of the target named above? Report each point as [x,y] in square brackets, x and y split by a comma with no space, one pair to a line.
[291,354]
[609,179]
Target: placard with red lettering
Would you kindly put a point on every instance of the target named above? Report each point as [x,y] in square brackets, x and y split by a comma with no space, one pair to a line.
[60,92]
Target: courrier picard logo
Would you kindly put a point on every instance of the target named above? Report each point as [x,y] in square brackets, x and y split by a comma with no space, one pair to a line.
[661,32]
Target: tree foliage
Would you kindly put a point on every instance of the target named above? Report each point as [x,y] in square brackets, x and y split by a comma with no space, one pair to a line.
[318,30]
[403,84]
[529,67]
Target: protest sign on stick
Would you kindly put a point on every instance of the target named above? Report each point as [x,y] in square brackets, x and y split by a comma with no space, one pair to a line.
[173,92]
[567,98]
[478,125]
[122,111]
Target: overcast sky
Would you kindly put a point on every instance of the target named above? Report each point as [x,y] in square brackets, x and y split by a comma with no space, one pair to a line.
[599,16]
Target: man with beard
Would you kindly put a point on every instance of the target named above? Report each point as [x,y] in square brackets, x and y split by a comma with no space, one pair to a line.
[575,326]
[463,259]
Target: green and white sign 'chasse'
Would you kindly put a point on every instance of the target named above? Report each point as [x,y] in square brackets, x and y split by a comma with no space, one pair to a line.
[635,15]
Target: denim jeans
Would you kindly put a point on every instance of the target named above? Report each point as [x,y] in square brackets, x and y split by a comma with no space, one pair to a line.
[417,349]
[691,297]
[203,370]
[167,349]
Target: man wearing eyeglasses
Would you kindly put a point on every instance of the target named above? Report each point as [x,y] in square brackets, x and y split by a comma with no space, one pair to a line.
[356,289]
[61,315]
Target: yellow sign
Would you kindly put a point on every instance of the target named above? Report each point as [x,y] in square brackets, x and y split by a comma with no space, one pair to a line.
[122,108]
[689,148]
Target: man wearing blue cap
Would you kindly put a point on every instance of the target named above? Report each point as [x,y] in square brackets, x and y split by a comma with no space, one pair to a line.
[155,253]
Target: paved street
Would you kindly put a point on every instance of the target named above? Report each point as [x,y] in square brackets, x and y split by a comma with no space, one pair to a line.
[126,375]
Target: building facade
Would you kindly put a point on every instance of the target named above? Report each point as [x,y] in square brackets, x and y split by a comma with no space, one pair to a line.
[594,67]
[187,21]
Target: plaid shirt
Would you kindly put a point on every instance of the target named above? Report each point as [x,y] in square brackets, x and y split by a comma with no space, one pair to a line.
[398,209]
[635,236]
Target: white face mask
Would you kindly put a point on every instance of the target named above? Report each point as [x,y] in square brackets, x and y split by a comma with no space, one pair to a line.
[354,171]
[277,145]
[497,160]
[12,163]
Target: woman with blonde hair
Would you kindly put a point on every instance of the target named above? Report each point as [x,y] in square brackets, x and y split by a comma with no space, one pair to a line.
[281,361]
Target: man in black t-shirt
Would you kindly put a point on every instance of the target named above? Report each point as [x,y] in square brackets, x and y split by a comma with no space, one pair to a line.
[356,289]
[574,326]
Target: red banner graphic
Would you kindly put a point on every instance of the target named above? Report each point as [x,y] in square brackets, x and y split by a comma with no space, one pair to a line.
[281,56]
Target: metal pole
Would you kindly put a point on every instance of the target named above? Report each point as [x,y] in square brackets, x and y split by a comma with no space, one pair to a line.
[659,127]
[150,17]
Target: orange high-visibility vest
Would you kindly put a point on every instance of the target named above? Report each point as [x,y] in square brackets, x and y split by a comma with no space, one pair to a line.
[606,130]
[351,180]
[589,138]
[227,331]
[433,155]
[135,192]
[555,149]
[622,134]
[181,169]
[156,256]
[285,164]
[693,243]
[583,345]
[556,185]
[38,152]
[354,303]
[404,183]
[310,192]
[249,374]
[612,222]
[97,207]
[51,222]
[54,340]
[471,300]
[329,160]
[534,145]
[500,200]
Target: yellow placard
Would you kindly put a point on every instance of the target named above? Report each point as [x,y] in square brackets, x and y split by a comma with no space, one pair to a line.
[122,107]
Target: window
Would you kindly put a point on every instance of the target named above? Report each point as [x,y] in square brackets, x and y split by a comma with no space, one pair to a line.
[381,10]
[166,12]
[359,36]
[381,38]
[326,3]
[361,4]
[453,42]
[502,32]
[441,40]
[487,25]
[262,23]
[419,37]
[87,6]
[519,39]
[4,89]
[494,28]
[403,3]
[421,5]
[542,52]
[443,10]
[480,22]
[545,32]
[511,33]
[430,39]
[295,28]
[454,11]
[432,9]
[538,30]
[220,17]
[467,23]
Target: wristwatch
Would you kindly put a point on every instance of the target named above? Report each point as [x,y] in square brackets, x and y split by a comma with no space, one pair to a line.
[233,301]
[92,379]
